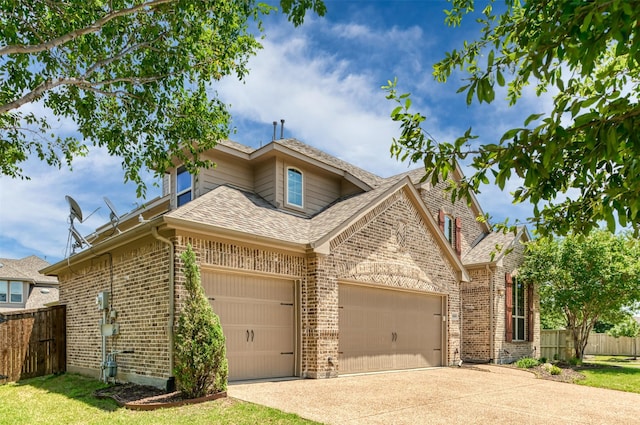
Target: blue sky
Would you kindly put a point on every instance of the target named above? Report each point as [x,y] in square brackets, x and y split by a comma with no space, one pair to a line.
[324,79]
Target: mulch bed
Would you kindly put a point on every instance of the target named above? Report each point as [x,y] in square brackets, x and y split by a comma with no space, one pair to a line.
[142,397]
[569,373]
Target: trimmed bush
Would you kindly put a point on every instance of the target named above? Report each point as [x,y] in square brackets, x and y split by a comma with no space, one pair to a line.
[200,354]
[527,363]
[555,370]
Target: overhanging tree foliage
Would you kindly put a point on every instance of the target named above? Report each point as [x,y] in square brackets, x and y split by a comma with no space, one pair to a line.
[584,279]
[200,354]
[133,75]
[588,54]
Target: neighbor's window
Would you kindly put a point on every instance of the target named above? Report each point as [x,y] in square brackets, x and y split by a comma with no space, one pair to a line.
[294,187]
[517,309]
[448,228]
[16,292]
[183,186]
[4,291]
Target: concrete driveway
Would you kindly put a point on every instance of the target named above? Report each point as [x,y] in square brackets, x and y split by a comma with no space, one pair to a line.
[479,395]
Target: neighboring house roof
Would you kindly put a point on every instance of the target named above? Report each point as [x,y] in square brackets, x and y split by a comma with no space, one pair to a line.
[25,269]
[42,289]
[494,246]
[40,296]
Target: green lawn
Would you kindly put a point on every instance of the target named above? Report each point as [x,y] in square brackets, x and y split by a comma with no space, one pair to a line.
[620,373]
[67,399]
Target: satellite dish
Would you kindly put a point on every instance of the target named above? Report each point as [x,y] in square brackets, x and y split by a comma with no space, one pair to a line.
[77,237]
[113,215]
[75,212]
[74,209]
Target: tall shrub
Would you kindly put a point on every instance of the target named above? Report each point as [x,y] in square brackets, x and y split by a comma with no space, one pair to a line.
[200,355]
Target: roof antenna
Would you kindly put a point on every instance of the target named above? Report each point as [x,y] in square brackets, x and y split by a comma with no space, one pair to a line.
[275,125]
[282,129]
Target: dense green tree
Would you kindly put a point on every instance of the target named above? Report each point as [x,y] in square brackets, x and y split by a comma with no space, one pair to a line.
[200,353]
[584,279]
[132,75]
[587,55]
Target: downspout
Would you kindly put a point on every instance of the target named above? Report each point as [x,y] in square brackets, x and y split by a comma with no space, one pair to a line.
[172,290]
[491,315]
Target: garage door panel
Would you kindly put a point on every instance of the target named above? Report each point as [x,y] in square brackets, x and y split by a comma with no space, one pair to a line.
[388,329]
[257,315]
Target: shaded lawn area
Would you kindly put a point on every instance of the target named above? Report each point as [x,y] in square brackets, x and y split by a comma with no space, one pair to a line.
[68,399]
[617,373]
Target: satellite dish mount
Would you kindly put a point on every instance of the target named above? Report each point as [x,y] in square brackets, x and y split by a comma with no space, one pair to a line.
[113,215]
[75,213]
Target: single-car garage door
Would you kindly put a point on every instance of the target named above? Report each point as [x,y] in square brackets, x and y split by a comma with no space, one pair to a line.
[384,329]
[257,316]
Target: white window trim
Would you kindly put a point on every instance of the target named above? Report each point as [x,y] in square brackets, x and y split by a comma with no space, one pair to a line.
[189,189]
[301,206]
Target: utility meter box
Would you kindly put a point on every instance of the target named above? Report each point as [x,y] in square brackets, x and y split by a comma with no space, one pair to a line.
[102,300]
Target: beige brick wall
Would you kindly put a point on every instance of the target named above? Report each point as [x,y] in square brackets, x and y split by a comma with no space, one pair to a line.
[476,299]
[437,198]
[393,247]
[139,294]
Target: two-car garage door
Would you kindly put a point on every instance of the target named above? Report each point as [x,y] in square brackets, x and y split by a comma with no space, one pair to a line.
[379,329]
[384,329]
[258,319]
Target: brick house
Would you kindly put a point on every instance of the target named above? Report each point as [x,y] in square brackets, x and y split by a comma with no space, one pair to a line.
[315,267]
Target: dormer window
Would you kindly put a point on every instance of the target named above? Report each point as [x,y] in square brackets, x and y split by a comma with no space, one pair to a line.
[294,187]
[10,291]
[184,186]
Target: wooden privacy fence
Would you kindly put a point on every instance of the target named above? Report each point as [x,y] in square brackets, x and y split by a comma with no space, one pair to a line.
[607,345]
[32,343]
[557,344]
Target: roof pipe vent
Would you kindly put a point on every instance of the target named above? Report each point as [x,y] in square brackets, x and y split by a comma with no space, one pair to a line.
[282,129]
[275,126]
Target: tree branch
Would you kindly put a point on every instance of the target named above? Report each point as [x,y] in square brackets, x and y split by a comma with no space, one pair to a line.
[95,27]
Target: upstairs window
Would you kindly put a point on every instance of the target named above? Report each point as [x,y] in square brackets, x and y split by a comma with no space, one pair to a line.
[184,184]
[4,291]
[448,228]
[10,292]
[294,187]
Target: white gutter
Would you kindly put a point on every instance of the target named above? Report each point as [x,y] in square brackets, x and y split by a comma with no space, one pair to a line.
[172,290]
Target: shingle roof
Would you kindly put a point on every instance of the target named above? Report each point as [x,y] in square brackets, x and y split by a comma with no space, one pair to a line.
[40,296]
[26,269]
[246,212]
[237,146]
[494,244]
[363,175]
[233,209]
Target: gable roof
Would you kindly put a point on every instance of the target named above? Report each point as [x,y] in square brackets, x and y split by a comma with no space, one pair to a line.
[295,147]
[418,173]
[227,209]
[494,244]
[25,269]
